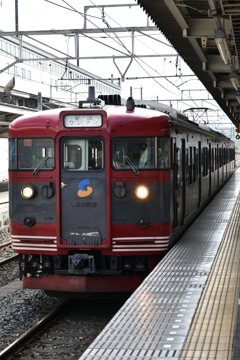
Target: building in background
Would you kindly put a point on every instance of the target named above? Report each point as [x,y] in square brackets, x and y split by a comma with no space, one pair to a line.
[30,71]
[32,79]
[59,82]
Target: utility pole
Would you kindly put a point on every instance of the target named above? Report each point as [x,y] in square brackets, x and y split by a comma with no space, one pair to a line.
[39,101]
[141,92]
[16,15]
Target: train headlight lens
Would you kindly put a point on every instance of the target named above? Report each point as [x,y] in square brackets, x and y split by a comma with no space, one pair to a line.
[27,192]
[142,192]
[142,222]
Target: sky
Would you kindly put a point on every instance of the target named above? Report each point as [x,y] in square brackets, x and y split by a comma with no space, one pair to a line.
[68,14]
[60,14]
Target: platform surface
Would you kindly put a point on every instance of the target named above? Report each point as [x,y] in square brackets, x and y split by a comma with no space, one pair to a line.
[10,288]
[187,307]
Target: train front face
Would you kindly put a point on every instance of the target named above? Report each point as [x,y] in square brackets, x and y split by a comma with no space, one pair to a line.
[81,221]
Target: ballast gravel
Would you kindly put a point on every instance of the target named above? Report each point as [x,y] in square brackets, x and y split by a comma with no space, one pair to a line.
[23,308]
[20,311]
[9,271]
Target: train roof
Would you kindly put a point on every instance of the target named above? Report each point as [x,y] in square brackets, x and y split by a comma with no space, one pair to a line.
[153,105]
[178,116]
[110,107]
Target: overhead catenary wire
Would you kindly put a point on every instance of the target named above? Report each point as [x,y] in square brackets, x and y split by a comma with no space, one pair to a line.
[90,21]
[66,8]
[135,58]
[117,39]
[119,42]
[73,9]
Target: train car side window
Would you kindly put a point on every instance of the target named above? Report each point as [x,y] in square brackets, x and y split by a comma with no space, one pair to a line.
[205,161]
[220,157]
[195,164]
[190,166]
[82,154]
[163,153]
[216,159]
[213,165]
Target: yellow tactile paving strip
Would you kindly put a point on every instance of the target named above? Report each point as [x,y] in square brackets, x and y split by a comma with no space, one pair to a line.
[212,331]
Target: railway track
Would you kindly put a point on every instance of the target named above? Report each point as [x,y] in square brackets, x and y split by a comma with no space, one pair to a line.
[5,245]
[65,332]
[6,253]
[30,328]
[18,345]
[8,260]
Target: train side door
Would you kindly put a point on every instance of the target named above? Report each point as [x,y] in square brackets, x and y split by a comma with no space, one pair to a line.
[183,182]
[217,162]
[200,173]
[175,183]
[210,169]
[179,183]
[83,190]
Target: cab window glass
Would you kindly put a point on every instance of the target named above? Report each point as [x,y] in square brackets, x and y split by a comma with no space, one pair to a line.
[82,154]
[29,153]
[12,151]
[137,150]
[141,152]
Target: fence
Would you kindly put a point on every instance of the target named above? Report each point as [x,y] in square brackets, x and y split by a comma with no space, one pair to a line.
[4,215]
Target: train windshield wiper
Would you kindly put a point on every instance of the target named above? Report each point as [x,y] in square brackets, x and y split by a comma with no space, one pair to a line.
[35,171]
[131,165]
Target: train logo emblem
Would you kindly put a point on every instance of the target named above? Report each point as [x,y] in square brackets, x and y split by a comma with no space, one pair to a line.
[84,190]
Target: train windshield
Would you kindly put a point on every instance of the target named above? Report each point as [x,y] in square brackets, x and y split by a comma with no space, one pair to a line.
[31,154]
[82,154]
[143,152]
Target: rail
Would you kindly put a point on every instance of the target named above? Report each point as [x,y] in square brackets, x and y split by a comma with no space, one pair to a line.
[25,338]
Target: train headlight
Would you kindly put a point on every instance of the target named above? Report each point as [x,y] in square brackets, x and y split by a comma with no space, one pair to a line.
[142,222]
[29,221]
[142,192]
[27,192]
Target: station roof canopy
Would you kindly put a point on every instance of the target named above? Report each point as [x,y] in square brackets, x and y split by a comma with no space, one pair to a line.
[8,113]
[206,34]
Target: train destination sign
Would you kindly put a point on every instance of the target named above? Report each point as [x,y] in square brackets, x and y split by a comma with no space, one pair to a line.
[83,120]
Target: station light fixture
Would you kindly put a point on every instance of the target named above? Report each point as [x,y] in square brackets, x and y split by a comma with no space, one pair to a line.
[222,45]
[234,80]
[238,97]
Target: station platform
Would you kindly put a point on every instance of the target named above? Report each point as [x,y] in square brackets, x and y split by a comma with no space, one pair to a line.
[10,288]
[187,307]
